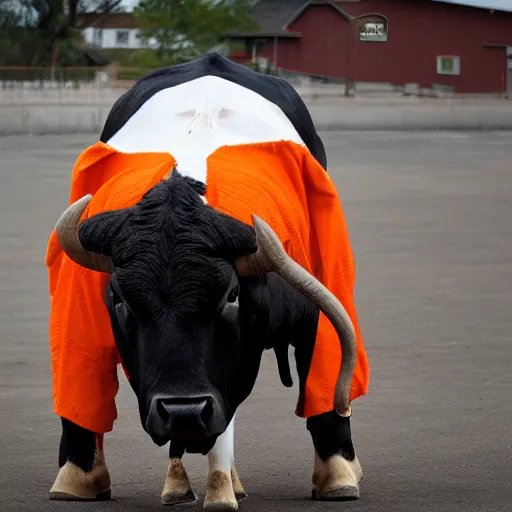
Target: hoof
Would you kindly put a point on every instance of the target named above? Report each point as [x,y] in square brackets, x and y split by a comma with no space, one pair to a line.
[336,479]
[177,489]
[241,496]
[63,496]
[238,489]
[175,498]
[220,496]
[220,506]
[74,484]
[347,493]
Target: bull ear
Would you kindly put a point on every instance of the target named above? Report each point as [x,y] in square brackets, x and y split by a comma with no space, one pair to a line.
[237,238]
[97,233]
[198,186]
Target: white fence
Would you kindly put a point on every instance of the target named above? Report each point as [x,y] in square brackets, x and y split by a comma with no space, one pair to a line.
[88,86]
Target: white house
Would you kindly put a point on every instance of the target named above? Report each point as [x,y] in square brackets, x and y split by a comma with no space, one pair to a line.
[112,30]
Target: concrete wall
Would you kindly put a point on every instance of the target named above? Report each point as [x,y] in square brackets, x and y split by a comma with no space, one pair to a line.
[327,113]
[25,109]
[52,119]
[58,96]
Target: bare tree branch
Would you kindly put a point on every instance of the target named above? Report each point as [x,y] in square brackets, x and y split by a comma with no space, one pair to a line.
[98,6]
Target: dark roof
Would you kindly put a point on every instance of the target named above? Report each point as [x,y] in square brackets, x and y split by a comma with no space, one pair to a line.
[272,15]
[106,20]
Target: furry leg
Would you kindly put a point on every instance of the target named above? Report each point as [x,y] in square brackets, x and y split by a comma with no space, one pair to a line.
[220,494]
[83,474]
[337,472]
[177,489]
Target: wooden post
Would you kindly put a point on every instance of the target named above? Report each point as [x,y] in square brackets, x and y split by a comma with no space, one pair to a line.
[351,45]
[275,54]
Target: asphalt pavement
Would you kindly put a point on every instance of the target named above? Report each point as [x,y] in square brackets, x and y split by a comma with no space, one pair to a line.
[430,218]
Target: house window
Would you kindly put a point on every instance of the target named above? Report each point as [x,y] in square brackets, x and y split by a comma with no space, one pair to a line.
[122,37]
[448,65]
[97,36]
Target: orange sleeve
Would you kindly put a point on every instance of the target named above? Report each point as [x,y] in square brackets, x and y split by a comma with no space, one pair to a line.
[84,356]
[283,184]
[333,264]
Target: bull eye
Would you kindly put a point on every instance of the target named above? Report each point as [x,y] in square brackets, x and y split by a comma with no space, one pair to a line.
[233,296]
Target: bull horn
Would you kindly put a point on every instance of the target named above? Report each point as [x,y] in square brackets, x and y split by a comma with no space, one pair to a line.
[67,234]
[271,257]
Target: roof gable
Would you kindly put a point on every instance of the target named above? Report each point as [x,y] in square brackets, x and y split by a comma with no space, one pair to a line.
[106,20]
[272,15]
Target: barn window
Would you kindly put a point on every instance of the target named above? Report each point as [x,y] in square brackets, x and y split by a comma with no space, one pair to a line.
[373,28]
[448,65]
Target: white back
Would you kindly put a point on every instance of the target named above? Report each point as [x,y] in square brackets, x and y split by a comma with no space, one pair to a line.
[193,119]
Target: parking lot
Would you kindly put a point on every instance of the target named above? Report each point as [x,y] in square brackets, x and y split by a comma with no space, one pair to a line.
[430,218]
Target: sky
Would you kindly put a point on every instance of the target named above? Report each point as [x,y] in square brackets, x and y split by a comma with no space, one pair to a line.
[129,4]
[491,4]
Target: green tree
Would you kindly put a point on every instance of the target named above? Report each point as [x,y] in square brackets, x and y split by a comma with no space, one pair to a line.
[42,32]
[185,29]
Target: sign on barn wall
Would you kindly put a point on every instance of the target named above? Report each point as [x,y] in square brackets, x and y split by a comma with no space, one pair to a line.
[373,28]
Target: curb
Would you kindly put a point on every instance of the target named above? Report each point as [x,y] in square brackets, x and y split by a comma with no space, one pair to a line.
[456,116]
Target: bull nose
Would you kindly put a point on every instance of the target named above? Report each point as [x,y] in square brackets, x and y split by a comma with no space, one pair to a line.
[180,418]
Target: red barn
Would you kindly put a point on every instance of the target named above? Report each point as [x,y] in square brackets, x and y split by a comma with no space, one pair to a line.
[460,44]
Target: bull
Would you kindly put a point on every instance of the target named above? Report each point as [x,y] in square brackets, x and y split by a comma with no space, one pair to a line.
[183,256]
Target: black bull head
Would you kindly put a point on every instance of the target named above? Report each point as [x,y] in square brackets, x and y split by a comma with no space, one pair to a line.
[179,302]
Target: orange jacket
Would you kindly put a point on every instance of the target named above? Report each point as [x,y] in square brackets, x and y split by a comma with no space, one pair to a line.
[279,181]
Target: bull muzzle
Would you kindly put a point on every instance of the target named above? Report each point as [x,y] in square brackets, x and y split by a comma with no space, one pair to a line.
[181,419]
